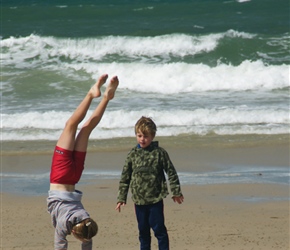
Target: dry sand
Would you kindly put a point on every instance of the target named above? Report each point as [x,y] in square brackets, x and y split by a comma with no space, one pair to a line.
[207,219]
[215,217]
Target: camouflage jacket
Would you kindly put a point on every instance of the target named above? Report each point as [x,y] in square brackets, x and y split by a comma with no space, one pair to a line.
[144,171]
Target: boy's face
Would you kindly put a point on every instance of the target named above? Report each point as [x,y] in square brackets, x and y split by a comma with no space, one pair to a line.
[144,140]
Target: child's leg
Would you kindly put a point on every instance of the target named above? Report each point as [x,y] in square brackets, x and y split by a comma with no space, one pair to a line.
[156,220]
[83,136]
[142,216]
[67,138]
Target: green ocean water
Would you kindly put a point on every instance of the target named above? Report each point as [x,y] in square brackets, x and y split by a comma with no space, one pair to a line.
[198,67]
[142,18]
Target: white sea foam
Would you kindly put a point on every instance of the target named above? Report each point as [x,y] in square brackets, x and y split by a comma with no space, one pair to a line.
[145,64]
[48,125]
[122,119]
[182,77]
[51,49]
[173,78]
[44,78]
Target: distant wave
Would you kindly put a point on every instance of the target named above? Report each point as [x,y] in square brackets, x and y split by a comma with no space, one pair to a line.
[177,44]
[35,49]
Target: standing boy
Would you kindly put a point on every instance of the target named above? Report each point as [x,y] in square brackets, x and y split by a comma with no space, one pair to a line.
[144,173]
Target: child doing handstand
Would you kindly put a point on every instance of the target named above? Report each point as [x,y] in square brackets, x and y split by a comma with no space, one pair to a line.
[64,201]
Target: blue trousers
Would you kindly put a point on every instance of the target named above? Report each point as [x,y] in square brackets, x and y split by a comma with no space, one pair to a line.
[152,216]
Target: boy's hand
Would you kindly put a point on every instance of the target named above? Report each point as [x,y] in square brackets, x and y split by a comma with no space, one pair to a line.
[178,199]
[118,207]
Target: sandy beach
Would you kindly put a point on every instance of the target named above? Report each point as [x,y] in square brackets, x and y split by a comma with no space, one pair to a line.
[212,75]
[231,216]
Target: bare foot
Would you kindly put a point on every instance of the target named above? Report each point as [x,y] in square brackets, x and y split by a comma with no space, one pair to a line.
[111,88]
[95,90]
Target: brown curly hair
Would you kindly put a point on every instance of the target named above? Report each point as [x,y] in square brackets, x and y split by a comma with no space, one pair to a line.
[85,230]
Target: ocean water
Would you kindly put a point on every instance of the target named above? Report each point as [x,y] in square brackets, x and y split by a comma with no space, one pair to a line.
[38,183]
[197,67]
